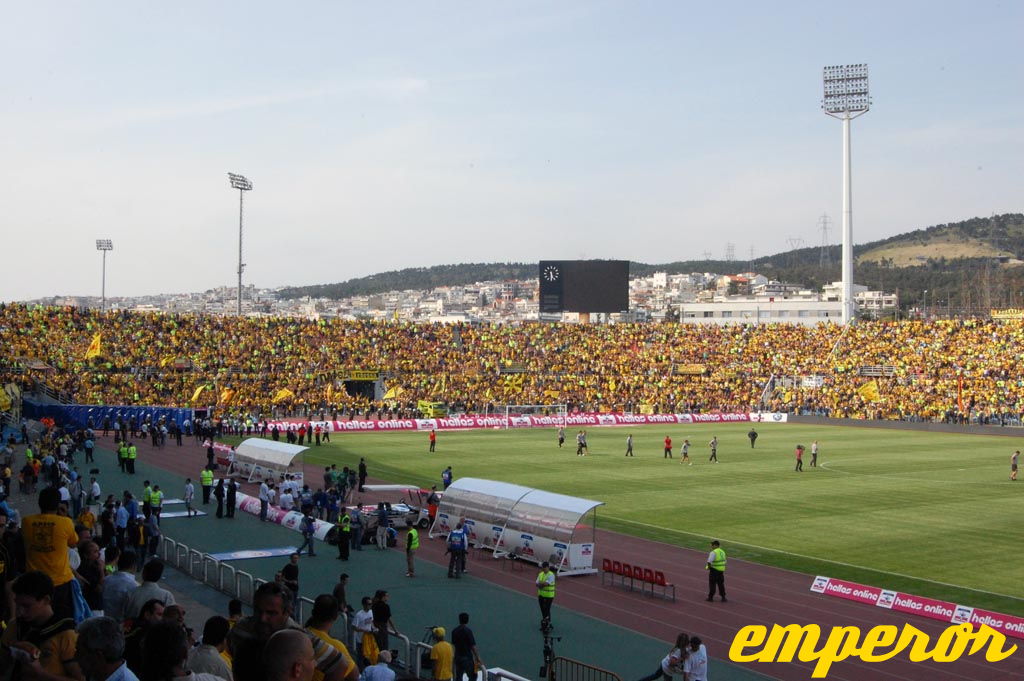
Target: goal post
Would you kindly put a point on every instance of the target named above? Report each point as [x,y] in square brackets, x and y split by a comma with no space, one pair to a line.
[557,412]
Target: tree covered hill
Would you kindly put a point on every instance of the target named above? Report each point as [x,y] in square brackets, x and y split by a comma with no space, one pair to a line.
[967,267]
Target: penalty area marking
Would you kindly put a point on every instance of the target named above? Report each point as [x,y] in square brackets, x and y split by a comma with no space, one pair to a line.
[821,560]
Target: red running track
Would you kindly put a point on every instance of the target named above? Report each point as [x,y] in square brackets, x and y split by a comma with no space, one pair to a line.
[758,594]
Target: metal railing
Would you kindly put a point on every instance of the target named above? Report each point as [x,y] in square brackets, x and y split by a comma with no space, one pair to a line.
[566,669]
[241,585]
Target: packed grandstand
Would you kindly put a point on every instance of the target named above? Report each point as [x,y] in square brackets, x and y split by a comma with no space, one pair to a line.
[930,370]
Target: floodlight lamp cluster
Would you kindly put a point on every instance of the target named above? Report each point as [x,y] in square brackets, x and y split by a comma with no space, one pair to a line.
[240,182]
[104,245]
[845,89]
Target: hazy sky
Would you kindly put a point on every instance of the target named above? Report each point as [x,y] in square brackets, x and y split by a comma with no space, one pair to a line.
[388,135]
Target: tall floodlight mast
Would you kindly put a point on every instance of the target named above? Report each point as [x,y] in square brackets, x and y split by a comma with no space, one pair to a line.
[104,245]
[846,97]
[242,184]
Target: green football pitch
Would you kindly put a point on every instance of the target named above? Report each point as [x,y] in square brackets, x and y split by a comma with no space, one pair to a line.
[925,513]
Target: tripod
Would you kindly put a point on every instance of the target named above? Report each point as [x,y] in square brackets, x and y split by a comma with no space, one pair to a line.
[547,670]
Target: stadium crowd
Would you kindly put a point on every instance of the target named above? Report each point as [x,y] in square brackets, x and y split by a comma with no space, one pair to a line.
[932,370]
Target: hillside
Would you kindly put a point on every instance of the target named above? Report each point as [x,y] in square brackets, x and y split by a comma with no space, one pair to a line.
[969,266]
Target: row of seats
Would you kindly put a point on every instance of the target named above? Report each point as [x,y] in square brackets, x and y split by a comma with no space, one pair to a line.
[617,573]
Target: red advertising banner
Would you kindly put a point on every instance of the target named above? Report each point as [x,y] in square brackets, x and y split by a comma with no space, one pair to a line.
[944,611]
[581,420]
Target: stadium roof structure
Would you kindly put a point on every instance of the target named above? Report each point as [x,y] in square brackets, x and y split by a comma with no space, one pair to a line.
[521,522]
[256,457]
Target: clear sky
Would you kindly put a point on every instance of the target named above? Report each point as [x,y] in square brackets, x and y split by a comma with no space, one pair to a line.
[388,135]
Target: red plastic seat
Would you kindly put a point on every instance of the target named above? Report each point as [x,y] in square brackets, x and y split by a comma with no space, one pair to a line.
[606,565]
[617,567]
[649,575]
[627,571]
[659,578]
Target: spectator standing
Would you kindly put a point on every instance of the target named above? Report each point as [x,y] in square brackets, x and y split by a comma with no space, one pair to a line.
[290,577]
[149,590]
[325,614]
[288,656]
[467,656]
[362,625]
[442,656]
[380,671]
[696,666]
[118,587]
[382,621]
[47,538]
[272,609]
[99,650]
[37,624]
[90,574]
[207,656]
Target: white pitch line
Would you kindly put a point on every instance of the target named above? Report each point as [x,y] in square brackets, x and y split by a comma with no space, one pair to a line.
[824,560]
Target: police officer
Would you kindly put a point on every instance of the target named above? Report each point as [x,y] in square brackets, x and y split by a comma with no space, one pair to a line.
[412,543]
[206,480]
[344,525]
[545,594]
[716,571]
[147,497]
[133,453]
[156,501]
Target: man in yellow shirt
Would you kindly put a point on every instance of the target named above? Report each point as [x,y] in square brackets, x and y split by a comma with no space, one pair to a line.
[48,638]
[325,614]
[442,655]
[48,537]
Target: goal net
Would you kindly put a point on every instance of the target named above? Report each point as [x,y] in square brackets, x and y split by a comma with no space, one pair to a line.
[554,413]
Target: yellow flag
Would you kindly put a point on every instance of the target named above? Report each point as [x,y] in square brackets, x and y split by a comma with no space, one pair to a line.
[164,361]
[5,400]
[94,347]
[330,391]
[394,393]
[226,394]
[611,385]
[199,390]
[283,394]
[869,391]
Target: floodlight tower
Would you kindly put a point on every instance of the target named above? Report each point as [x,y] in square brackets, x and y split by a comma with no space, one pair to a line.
[846,97]
[242,184]
[104,245]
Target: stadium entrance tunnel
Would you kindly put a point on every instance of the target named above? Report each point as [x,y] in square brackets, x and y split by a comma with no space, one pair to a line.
[365,389]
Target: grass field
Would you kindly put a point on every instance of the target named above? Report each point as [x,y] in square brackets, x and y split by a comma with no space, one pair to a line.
[931,514]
